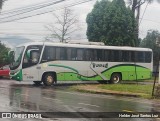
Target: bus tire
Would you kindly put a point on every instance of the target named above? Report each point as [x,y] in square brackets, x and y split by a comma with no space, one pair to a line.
[48,79]
[115,78]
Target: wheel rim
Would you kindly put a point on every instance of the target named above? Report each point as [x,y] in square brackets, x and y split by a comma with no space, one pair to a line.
[50,79]
[116,79]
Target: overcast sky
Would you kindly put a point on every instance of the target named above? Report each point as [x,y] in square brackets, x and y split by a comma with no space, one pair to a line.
[33,27]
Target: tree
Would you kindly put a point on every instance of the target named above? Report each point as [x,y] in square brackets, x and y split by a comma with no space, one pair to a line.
[3,55]
[3,49]
[112,23]
[150,42]
[64,26]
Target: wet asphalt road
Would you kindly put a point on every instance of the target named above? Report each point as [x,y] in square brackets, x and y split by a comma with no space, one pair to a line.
[22,97]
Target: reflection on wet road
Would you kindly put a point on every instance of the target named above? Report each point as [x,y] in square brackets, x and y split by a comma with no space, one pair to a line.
[19,97]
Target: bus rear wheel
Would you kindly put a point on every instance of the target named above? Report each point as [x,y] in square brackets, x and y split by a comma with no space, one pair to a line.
[115,78]
[48,79]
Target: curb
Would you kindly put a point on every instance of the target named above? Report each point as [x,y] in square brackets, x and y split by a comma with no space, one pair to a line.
[109,93]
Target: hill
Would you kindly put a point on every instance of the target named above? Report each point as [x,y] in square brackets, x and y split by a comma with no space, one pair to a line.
[12,41]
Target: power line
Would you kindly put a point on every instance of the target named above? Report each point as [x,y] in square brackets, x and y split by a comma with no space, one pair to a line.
[34,22]
[19,12]
[38,22]
[151,20]
[36,34]
[22,29]
[4,38]
[25,12]
[25,7]
[71,5]
[144,13]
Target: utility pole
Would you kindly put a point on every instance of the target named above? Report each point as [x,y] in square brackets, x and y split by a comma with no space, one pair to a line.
[136,6]
[157,93]
[1,3]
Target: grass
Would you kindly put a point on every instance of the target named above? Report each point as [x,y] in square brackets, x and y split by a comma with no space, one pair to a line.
[140,90]
[133,88]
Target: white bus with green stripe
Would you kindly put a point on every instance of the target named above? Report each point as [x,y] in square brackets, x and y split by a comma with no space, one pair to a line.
[50,63]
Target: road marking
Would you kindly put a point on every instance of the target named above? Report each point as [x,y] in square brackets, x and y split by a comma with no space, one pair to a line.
[88,104]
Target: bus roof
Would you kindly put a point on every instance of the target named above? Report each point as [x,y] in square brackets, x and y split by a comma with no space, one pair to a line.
[86,46]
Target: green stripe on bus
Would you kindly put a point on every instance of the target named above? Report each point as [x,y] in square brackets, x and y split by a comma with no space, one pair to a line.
[17,76]
[64,67]
[127,71]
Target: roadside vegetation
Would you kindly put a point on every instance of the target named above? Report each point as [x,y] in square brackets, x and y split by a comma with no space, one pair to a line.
[4,60]
[132,90]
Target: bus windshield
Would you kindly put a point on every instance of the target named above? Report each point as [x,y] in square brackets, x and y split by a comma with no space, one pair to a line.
[17,56]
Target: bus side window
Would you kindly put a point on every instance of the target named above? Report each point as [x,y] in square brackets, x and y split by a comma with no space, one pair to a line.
[116,56]
[74,54]
[95,55]
[132,56]
[63,54]
[106,55]
[140,57]
[58,53]
[79,54]
[48,54]
[125,56]
[87,55]
[91,55]
[110,55]
[99,55]
[52,53]
[148,57]
[69,57]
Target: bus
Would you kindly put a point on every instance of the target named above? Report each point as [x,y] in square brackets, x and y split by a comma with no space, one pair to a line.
[50,62]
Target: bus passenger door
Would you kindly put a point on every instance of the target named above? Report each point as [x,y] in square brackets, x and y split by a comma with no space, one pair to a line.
[30,66]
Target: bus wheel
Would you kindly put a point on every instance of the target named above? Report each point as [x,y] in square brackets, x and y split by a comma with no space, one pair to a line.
[48,79]
[115,78]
